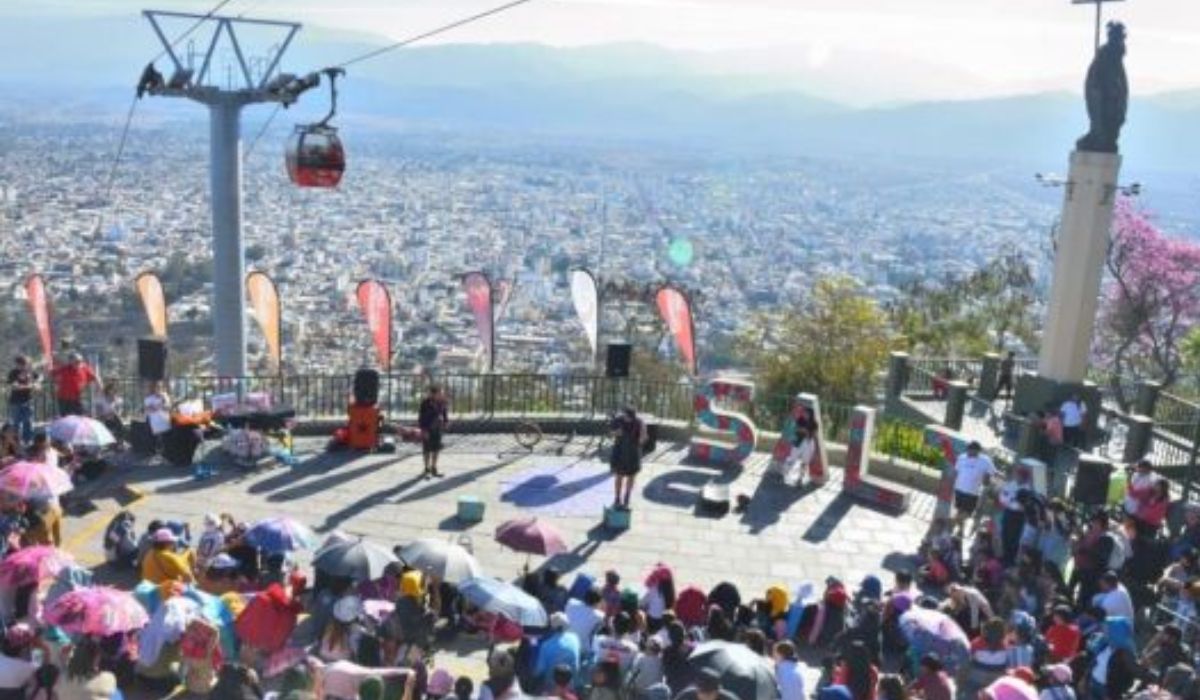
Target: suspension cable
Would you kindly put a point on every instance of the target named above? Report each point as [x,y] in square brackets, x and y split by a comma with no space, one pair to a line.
[433,32]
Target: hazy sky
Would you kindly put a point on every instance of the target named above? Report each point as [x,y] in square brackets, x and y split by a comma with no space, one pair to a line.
[998,46]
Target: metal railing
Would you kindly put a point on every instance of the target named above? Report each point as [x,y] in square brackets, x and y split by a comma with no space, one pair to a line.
[1176,415]
[471,396]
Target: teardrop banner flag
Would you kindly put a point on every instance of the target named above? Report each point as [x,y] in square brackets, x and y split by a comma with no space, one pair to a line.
[39,305]
[264,301]
[586,297]
[150,289]
[479,300]
[675,309]
[376,305]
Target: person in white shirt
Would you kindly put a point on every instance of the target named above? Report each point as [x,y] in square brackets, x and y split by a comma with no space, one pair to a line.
[1015,496]
[620,647]
[1114,598]
[1073,414]
[157,406]
[971,470]
[584,618]
[789,672]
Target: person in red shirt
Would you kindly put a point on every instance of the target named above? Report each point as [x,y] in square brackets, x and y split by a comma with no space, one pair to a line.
[1063,636]
[70,380]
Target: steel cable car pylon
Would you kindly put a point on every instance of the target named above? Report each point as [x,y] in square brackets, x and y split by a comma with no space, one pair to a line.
[315,156]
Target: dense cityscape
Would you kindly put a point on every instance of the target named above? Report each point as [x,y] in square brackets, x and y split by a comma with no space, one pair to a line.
[741,233]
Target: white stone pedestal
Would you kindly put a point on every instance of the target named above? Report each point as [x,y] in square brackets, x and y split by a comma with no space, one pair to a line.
[1083,240]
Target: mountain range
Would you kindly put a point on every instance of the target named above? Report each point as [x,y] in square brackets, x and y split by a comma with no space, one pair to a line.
[88,66]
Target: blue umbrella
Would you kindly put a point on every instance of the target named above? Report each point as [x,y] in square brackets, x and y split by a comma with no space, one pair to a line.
[276,535]
[504,599]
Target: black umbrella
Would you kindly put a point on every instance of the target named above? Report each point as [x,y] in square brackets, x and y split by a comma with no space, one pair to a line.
[742,672]
[358,560]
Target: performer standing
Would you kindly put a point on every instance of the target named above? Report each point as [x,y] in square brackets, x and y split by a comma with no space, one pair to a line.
[433,419]
[629,434]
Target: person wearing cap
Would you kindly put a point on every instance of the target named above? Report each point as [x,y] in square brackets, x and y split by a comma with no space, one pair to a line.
[211,542]
[163,563]
[972,470]
[706,687]
[559,647]
[70,381]
[339,639]
[585,618]
[647,669]
[440,684]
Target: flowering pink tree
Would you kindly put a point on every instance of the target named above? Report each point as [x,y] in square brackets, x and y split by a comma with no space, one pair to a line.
[1151,301]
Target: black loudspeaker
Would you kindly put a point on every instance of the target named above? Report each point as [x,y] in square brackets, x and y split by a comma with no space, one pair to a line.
[617,361]
[179,445]
[366,387]
[152,359]
[141,440]
[1091,481]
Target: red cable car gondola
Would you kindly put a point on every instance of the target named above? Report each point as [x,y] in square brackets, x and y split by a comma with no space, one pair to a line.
[315,157]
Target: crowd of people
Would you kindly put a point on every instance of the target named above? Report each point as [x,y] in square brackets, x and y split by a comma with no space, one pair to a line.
[1019,595]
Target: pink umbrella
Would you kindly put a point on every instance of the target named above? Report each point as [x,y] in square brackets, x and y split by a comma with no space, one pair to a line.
[27,480]
[98,611]
[530,536]
[32,565]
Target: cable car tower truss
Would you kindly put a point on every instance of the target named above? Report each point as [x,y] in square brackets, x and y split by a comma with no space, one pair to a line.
[225,105]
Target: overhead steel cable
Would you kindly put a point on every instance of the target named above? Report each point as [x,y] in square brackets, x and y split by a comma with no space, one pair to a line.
[433,32]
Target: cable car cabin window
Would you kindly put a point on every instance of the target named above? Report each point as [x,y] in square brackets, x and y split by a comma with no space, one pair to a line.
[315,157]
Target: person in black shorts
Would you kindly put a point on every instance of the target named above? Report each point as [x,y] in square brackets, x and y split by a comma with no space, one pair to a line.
[433,417]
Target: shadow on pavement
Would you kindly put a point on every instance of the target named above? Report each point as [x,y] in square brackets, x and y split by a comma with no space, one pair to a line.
[829,519]
[771,498]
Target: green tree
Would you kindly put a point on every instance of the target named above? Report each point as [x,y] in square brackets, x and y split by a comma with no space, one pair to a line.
[983,311]
[834,345]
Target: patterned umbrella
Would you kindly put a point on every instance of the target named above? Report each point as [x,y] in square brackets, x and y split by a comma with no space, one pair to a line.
[99,611]
[280,534]
[446,561]
[504,599]
[932,631]
[33,565]
[27,480]
[80,431]
[531,536]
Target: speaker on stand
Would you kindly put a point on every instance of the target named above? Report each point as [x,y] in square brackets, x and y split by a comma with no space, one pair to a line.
[152,359]
[616,362]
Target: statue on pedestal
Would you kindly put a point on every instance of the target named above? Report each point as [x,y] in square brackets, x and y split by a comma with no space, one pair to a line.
[1107,93]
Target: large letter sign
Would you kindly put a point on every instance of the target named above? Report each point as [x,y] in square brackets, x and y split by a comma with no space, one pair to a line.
[951,444]
[858,459]
[806,410]
[742,429]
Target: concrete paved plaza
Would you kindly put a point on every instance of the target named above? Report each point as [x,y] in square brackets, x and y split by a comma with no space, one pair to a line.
[787,536]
